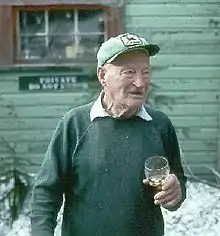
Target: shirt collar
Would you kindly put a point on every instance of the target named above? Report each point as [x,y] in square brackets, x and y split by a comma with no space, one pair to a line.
[97,110]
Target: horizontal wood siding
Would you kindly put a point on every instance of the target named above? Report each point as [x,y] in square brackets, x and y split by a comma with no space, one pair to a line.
[28,119]
[176,9]
[186,72]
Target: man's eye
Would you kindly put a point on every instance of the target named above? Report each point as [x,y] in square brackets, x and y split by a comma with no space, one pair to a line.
[146,72]
[129,72]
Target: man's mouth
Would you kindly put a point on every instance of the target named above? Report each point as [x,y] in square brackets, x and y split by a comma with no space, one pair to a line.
[136,93]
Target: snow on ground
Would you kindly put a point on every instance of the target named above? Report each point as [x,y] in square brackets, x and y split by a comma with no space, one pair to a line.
[198,216]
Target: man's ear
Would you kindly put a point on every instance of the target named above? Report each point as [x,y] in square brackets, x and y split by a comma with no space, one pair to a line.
[101,75]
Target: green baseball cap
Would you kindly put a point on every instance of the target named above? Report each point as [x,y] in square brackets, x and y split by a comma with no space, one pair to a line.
[122,43]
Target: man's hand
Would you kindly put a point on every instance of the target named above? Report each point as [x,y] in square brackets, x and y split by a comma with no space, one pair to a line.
[170,194]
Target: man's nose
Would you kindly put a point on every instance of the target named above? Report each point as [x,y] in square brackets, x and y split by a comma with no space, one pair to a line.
[139,81]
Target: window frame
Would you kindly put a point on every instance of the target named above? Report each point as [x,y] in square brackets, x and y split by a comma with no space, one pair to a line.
[15,14]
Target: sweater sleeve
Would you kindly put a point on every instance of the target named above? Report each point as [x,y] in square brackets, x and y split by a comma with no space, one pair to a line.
[172,149]
[48,189]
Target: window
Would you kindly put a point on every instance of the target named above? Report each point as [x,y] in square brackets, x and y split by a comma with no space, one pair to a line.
[50,34]
[59,34]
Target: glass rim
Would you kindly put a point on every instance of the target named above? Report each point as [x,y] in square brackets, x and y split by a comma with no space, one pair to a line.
[161,157]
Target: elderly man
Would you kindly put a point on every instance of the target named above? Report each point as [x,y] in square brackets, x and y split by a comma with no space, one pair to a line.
[97,153]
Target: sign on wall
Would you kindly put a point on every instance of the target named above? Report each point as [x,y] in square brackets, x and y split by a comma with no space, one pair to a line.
[53,82]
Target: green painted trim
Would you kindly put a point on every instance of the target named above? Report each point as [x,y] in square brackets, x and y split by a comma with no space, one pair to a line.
[68,67]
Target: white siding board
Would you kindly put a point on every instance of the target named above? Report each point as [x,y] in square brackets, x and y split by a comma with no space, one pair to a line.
[195,121]
[183,97]
[72,100]
[187,84]
[8,86]
[27,135]
[35,159]
[183,42]
[56,98]
[215,2]
[194,133]
[190,109]
[202,171]
[28,123]
[190,49]
[199,146]
[205,36]
[57,111]
[197,133]
[172,9]
[50,123]
[186,60]
[27,147]
[199,156]
[36,111]
[185,72]
[180,23]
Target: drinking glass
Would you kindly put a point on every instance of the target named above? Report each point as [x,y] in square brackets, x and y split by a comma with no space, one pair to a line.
[156,170]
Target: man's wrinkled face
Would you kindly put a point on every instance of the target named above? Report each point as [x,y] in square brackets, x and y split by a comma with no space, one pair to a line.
[127,79]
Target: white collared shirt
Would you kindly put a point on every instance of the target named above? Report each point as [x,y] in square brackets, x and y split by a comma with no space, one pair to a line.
[97,110]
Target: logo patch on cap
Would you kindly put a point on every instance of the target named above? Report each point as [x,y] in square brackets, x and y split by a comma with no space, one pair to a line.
[131,40]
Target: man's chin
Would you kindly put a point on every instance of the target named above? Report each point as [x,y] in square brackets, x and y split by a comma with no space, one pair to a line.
[136,105]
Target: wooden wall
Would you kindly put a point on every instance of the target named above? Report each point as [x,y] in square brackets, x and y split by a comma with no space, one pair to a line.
[187,71]
[27,119]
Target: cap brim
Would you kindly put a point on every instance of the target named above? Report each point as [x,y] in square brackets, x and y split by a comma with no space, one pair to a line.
[151,50]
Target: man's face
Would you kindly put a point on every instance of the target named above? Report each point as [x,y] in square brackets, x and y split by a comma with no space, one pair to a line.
[127,79]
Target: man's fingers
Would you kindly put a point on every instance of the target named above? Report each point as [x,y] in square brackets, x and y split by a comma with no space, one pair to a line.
[171,180]
[164,194]
[170,194]
[170,204]
[145,181]
[169,200]
[164,198]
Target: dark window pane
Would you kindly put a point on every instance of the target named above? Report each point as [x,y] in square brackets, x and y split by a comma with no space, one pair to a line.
[33,47]
[89,45]
[91,21]
[32,22]
[61,22]
[62,47]
[54,37]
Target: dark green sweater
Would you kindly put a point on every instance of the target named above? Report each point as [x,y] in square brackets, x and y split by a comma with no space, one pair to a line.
[99,166]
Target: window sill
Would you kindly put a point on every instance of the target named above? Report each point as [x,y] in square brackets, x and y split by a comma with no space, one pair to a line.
[73,67]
